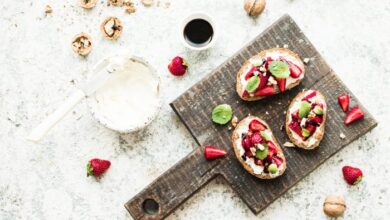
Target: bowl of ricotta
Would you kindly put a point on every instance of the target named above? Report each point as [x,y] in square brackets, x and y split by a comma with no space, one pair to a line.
[130,99]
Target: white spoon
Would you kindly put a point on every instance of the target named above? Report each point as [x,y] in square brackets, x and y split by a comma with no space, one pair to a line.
[105,69]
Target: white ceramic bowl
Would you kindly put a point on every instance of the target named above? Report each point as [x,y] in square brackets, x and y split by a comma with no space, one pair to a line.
[93,105]
[198,15]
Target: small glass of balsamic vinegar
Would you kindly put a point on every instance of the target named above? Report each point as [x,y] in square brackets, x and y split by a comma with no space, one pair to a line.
[198,32]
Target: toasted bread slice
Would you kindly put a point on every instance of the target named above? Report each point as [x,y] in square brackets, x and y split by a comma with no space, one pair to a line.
[249,163]
[274,53]
[315,138]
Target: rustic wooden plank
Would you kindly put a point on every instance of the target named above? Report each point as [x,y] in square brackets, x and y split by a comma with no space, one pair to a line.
[194,108]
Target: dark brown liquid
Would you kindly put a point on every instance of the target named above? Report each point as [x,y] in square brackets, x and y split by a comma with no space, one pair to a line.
[198,33]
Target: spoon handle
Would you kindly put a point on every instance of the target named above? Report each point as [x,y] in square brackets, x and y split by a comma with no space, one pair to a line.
[39,132]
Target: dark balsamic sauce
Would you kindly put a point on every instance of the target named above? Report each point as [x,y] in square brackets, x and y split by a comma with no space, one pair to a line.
[198,33]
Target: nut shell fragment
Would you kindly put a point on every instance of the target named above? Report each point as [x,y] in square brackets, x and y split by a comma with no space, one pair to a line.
[111,28]
[82,44]
[115,2]
[147,3]
[48,9]
[88,4]
[334,206]
[129,6]
[254,7]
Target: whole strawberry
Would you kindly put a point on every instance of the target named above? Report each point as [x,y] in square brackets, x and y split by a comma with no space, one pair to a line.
[97,167]
[178,66]
[352,175]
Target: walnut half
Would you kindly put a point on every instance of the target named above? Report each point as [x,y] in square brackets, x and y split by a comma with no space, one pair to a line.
[254,7]
[82,44]
[88,3]
[111,28]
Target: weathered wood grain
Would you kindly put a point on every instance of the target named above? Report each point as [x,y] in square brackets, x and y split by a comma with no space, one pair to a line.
[194,108]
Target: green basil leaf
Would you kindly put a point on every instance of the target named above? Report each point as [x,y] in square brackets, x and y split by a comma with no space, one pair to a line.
[279,69]
[222,114]
[304,109]
[253,83]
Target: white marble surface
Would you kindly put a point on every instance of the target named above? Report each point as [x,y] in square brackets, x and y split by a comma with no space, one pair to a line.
[38,68]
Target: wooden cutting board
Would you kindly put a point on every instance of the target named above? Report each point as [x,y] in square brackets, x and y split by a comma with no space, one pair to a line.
[194,108]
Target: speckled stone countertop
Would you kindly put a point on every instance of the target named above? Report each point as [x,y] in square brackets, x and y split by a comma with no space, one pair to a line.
[38,70]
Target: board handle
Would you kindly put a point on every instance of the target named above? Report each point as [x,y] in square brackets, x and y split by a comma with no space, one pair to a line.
[173,187]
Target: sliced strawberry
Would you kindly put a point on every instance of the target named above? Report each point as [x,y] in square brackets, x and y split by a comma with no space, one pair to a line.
[295,71]
[250,73]
[246,142]
[256,138]
[344,102]
[249,154]
[281,84]
[277,160]
[272,150]
[255,125]
[245,94]
[316,120]
[267,60]
[311,128]
[295,116]
[294,126]
[263,81]
[309,96]
[258,162]
[266,91]
[211,152]
[353,115]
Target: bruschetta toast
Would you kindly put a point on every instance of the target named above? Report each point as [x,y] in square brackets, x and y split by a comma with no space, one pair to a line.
[306,118]
[269,72]
[257,149]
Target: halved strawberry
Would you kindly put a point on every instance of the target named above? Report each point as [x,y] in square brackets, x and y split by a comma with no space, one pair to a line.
[353,115]
[295,71]
[344,102]
[250,73]
[281,84]
[245,94]
[255,125]
[266,91]
[309,96]
[294,126]
[256,138]
[211,152]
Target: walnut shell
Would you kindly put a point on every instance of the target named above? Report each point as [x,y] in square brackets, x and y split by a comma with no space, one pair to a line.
[254,7]
[115,2]
[334,206]
[82,44]
[88,4]
[111,28]
[129,6]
